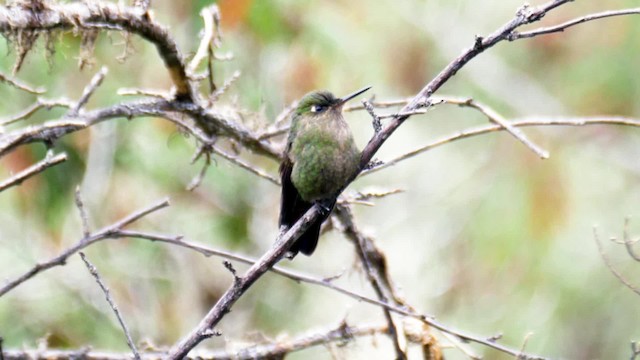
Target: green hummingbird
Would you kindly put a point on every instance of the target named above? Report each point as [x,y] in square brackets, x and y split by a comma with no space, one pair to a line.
[319,158]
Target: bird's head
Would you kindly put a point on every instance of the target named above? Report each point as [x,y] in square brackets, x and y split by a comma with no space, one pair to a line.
[320,101]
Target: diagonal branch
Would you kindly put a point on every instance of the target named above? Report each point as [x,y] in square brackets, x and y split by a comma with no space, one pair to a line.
[241,285]
[493,116]
[19,85]
[613,270]
[39,104]
[524,16]
[371,259]
[400,309]
[110,232]
[94,272]
[44,164]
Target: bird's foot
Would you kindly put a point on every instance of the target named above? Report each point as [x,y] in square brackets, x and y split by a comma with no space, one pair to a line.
[373,164]
[324,206]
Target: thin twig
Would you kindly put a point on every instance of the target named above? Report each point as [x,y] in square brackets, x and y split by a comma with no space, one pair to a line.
[323,282]
[377,104]
[113,231]
[94,272]
[89,90]
[252,169]
[44,164]
[109,16]
[562,27]
[628,242]
[222,89]
[39,104]
[468,133]
[235,291]
[159,94]
[493,116]
[128,220]
[84,217]
[371,258]
[211,17]
[196,181]
[524,16]
[19,85]
[377,125]
[607,262]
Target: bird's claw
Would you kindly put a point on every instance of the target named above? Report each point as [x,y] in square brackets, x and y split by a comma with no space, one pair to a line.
[324,206]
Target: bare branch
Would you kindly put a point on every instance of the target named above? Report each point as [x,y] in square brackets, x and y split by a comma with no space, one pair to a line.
[128,220]
[323,282]
[373,262]
[213,120]
[101,15]
[628,242]
[39,104]
[233,293]
[94,272]
[252,169]
[377,104]
[110,232]
[560,121]
[44,164]
[84,217]
[144,92]
[273,350]
[363,197]
[211,37]
[607,262]
[227,84]
[493,116]
[525,15]
[89,90]
[562,27]
[19,85]
[377,125]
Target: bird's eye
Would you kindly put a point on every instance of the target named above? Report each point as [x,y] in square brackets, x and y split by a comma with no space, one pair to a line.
[317,108]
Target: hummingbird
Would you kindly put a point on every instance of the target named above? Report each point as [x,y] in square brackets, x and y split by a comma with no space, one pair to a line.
[319,158]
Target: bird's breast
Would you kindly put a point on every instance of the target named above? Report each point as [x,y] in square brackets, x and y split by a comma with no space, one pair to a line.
[323,160]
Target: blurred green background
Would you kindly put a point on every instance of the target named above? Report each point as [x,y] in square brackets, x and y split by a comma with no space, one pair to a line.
[486,237]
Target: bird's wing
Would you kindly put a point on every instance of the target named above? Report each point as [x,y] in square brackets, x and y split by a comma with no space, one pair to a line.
[292,208]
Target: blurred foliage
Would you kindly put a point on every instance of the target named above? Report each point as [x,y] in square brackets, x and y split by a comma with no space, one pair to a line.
[487,237]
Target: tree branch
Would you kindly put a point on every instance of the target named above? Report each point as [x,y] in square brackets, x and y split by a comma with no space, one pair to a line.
[274,350]
[110,232]
[217,122]
[562,27]
[101,15]
[465,134]
[49,161]
[94,272]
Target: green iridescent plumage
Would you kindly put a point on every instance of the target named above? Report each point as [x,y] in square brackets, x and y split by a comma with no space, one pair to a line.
[320,157]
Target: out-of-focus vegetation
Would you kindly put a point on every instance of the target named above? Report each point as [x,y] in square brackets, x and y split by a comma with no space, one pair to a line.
[486,237]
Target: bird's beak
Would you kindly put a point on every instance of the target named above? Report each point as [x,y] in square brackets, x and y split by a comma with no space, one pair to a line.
[344,99]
